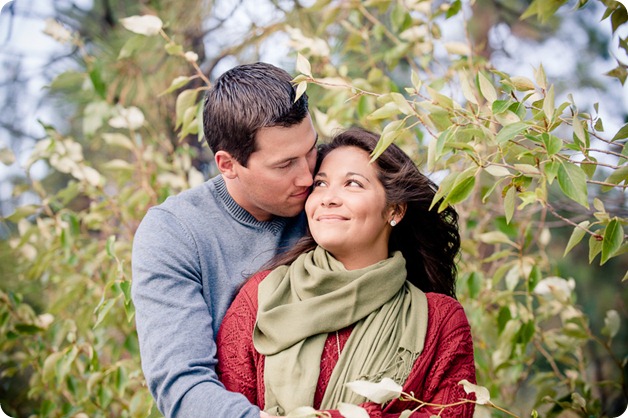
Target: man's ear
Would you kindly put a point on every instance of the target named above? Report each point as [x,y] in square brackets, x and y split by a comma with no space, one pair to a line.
[226,164]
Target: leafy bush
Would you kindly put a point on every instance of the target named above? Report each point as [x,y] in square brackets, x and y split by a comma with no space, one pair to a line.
[508,153]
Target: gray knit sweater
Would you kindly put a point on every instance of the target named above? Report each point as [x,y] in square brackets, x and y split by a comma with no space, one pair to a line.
[190,256]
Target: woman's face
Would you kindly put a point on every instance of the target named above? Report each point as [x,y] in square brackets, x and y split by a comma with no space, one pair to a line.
[347,211]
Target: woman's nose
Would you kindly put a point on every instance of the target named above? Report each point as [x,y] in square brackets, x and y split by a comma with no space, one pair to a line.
[330,198]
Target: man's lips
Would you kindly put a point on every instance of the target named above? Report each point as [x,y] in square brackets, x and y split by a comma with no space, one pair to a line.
[302,194]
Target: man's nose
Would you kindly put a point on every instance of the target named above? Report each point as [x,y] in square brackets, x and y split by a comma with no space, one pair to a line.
[304,176]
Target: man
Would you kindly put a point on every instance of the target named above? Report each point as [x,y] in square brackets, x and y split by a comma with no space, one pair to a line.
[192,252]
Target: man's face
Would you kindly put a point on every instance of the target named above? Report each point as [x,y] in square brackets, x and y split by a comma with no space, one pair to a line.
[278,176]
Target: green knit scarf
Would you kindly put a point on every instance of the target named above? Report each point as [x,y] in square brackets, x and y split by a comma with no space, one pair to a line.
[301,303]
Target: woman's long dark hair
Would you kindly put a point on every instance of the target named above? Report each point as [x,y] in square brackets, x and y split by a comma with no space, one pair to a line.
[428,239]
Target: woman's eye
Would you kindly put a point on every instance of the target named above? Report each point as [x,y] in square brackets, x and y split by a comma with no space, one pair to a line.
[354,183]
[318,183]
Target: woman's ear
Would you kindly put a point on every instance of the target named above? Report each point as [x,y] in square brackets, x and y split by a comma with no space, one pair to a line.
[397,212]
[226,164]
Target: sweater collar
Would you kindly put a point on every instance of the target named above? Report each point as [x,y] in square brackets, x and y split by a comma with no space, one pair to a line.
[275,225]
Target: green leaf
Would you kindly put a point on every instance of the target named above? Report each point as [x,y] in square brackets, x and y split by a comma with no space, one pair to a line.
[133,44]
[22,212]
[99,85]
[551,170]
[103,310]
[589,169]
[526,332]
[454,8]
[503,317]
[510,131]
[576,236]
[445,187]
[613,238]
[49,368]
[553,145]
[622,133]
[573,183]
[618,176]
[509,204]
[595,247]
[173,48]
[474,283]
[389,134]
[110,246]
[500,106]
[461,189]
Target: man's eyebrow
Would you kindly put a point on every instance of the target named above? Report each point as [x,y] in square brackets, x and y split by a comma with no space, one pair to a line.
[285,160]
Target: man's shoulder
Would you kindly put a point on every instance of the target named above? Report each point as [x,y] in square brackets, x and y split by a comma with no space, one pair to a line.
[201,196]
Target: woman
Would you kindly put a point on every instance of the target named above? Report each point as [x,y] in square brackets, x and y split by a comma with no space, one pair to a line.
[370,294]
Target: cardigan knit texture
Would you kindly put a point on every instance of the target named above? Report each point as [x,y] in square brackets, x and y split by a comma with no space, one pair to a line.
[447,358]
[190,256]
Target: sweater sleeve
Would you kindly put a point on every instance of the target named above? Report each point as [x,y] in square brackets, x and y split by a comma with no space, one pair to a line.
[174,324]
[447,359]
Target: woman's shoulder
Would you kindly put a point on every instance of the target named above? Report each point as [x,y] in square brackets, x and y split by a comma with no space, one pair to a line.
[445,309]
[249,288]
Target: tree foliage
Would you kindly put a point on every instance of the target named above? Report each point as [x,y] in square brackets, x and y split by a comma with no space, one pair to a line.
[516,156]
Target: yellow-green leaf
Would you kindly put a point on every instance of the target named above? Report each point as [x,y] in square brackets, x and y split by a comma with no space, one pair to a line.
[522,83]
[185,100]
[487,89]
[576,236]
[578,129]
[177,83]
[303,65]
[573,182]
[402,103]
[386,111]
[548,104]
[509,204]
[301,87]
[510,131]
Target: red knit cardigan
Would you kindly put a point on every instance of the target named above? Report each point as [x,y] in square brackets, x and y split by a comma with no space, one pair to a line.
[447,358]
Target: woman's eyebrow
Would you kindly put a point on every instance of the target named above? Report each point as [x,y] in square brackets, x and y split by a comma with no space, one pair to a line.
[351,173]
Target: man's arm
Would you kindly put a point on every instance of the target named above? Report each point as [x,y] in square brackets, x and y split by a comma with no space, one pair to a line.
[174,324]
